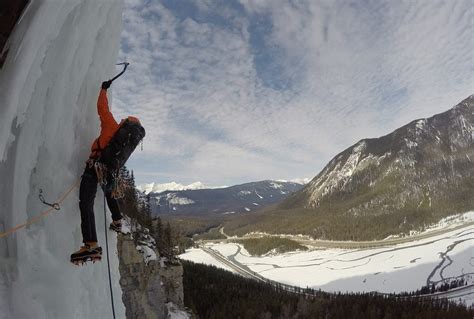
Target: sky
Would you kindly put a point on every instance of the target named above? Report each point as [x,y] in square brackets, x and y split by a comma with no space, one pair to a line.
[234,91]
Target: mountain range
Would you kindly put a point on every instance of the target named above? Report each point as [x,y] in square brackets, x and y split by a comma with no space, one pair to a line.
[378,187]
[248,197]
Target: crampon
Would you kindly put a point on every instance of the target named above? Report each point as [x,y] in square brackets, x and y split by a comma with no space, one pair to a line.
[86,254]
[83,261]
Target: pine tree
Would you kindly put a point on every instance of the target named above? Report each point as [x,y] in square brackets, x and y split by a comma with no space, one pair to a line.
[157,233]
[168,242]
[129,203]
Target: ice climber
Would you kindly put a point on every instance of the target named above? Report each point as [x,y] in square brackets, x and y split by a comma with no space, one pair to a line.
[87,191]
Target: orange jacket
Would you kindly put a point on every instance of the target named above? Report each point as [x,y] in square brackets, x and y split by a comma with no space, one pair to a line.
[108,125]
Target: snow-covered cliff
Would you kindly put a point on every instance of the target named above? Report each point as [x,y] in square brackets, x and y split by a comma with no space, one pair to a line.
[60,51]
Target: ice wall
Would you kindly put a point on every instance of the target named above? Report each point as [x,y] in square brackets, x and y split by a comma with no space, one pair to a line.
[60,51]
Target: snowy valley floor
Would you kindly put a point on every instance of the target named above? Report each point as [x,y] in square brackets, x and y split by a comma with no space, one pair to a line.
[389,269]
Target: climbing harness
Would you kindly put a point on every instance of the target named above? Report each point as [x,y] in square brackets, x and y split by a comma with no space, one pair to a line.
[125,65]
[53,207]
[118,184]
[108,261]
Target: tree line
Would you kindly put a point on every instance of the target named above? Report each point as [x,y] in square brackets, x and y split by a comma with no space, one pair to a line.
[136,205]
[215,293]
[438,287]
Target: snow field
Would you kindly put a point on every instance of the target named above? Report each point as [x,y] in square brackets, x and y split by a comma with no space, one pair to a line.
[399,268]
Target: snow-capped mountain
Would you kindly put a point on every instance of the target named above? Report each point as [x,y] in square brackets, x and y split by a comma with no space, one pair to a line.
[302,181]
[221,201]
[172,186]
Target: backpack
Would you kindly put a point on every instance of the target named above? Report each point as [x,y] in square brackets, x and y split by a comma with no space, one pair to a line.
[122,144]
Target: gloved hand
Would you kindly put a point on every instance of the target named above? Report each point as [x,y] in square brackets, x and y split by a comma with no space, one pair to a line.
[106,84]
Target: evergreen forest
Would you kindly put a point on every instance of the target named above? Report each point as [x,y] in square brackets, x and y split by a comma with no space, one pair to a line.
[212,293]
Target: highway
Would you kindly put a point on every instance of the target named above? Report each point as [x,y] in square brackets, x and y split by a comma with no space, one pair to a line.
[241,270]
[345,244]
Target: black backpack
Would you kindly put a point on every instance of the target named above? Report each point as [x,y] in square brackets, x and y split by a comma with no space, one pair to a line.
[122,144]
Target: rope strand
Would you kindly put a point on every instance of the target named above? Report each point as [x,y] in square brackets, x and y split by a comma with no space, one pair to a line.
[41,215]
[108,261]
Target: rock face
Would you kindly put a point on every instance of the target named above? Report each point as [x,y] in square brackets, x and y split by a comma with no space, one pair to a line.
[147,287]
[10,12]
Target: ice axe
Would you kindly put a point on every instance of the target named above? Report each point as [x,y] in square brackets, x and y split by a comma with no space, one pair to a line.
[125,65]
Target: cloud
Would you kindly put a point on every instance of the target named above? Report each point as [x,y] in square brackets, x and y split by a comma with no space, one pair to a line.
[232,91]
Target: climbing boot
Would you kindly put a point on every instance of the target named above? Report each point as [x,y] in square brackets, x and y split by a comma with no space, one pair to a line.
[85,254]
[116,226]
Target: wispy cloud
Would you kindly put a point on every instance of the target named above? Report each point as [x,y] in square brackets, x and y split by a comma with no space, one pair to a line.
[232,91]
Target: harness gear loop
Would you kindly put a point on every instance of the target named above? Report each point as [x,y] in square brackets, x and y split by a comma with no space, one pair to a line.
[101,172]
[118,190]
[41,197]
[119,185]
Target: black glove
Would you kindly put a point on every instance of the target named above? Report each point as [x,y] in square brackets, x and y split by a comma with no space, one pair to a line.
[106,84]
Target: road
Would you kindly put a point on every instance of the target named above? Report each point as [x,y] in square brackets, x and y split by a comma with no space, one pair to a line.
[466,292]
[234,266]
[347,244]
[245,272]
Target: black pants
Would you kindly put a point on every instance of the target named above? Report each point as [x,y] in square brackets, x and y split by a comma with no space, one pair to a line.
[87,193]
